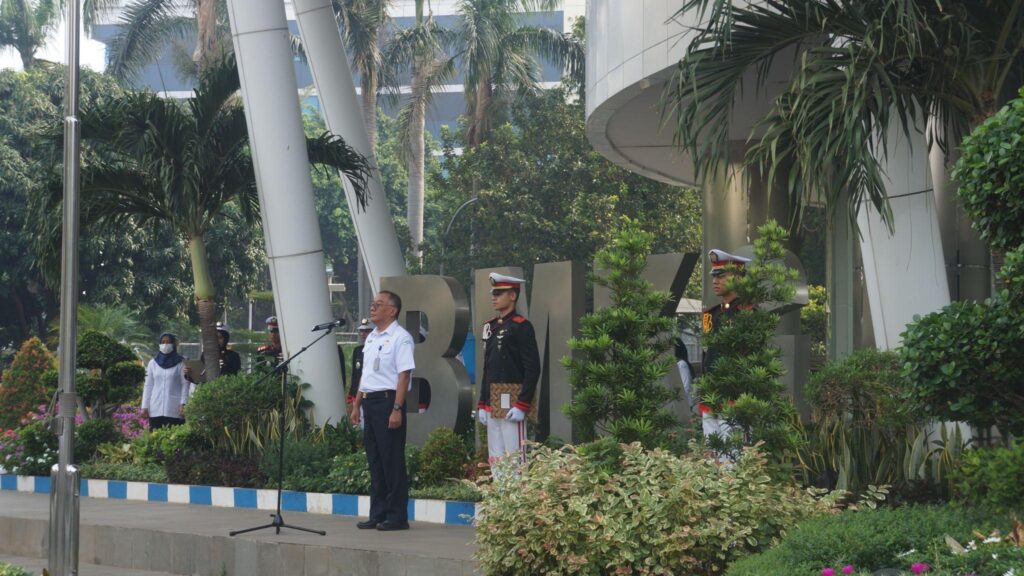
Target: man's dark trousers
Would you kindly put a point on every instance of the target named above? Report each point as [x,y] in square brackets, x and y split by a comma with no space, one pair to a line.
[385,454]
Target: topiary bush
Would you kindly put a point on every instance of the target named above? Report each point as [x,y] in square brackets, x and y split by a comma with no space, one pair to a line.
[870,540]
[990,174]
[114,376]
[91,434]
[745,388]
[964,363]
[23,389]
[97,351]
[444,456]
[992,477]
[651,512]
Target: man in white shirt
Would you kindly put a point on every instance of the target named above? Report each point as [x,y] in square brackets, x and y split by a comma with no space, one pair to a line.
[385,381]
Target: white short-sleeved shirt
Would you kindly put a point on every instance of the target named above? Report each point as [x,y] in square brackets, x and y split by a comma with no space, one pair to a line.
[394,348]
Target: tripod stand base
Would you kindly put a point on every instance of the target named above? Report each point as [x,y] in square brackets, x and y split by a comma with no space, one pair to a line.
[277,524]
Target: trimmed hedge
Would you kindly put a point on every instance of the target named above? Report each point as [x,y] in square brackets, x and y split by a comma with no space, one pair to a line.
[869,540]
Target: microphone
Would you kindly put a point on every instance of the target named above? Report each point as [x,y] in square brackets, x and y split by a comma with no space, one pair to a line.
[331,324]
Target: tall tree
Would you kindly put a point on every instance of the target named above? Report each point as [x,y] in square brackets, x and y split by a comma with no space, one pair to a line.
[185,164]
[363,23]
[26,25]
[859,68]
[546,195]
[147,27]
[498,55]
[420,49]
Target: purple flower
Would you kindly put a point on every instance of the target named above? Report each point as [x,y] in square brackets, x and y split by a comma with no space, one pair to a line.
[848,569]
[919,567]
[828,572]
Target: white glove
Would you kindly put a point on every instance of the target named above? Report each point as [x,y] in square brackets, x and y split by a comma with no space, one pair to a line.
[482,416]
[515,415]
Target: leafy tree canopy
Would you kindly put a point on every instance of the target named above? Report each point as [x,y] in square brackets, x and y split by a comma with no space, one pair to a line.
[545,195]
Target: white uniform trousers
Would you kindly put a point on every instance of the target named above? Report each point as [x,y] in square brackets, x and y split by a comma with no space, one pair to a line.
[505,438]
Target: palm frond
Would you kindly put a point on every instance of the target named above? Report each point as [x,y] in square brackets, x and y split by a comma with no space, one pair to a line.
[145,26]
[330,150]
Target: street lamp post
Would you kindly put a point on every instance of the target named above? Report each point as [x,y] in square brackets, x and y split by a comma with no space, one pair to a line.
[64,486]
[444,237]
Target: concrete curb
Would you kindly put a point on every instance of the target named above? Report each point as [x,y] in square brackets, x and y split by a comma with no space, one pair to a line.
[420,510]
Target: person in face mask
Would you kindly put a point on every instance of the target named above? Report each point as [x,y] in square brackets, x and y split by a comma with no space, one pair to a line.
[167,386]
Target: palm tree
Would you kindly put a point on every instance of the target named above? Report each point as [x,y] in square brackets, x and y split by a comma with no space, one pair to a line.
[154,160]
[363,23]
[420,49]
[858,68]
[147,26]
[498,55]
[25,25]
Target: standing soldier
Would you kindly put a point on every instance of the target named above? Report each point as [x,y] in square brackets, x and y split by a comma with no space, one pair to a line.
[510,373]
[724,266]
[271,353]
[230,361]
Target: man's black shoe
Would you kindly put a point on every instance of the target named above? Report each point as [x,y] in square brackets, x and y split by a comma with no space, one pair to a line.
[388,526]
[368,524]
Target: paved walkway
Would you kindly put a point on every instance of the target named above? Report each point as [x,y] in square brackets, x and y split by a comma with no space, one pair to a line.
[184,539]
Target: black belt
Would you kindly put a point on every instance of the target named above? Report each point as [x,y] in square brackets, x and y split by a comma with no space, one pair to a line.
[377,394]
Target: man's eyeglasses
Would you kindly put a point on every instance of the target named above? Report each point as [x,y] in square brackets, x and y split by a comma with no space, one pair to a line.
[375,305]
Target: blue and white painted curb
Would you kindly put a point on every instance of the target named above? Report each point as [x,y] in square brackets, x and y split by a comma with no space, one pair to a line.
[420,510]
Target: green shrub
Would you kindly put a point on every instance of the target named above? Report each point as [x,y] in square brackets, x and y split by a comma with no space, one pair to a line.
[89,435]
[869,540]
[124,471]
[990,173]
[444,456]
[154,446]
[657,514]
[458,491]
[992,477]
[814,319]
[214,469]
[22,389]
[307,465]
[349,474]
[964,364]
[225,410]
[862,432]
[11,570]
[31,451]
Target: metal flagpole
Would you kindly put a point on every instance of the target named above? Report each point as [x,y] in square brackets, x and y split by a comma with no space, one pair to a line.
[64,489]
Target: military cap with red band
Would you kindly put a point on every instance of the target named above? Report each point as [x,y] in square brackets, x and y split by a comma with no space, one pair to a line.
[503,282]
[721,260]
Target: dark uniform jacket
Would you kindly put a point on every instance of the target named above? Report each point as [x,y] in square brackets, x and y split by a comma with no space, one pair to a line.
[230,362]
[712,320]
[357,373]
[510,356]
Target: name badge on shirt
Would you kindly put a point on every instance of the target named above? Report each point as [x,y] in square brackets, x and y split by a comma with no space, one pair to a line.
[506,401]
[376,364]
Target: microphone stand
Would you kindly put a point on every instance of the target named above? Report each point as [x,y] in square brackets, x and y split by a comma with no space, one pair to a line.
[278,521]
